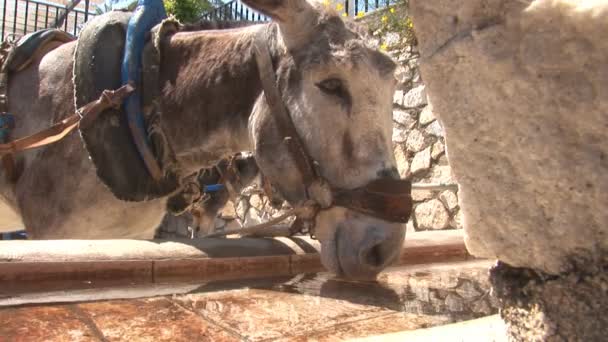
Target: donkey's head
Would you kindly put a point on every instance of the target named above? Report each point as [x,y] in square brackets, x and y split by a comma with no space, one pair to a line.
[339,93]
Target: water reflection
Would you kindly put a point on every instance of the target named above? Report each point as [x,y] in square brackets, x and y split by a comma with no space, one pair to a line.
[460,293]
[456,292]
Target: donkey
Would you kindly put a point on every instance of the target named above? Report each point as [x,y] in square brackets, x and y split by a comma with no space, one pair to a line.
[337,89]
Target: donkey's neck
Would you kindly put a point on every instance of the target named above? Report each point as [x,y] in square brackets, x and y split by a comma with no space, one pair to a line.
[209,83]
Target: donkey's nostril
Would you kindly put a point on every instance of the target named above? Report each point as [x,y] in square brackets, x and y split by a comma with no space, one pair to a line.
[373,256]
[364,250]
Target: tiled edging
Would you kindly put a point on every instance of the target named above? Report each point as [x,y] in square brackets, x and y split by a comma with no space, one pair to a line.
[31,267]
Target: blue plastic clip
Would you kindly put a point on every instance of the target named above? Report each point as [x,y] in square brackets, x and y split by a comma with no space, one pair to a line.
[18,235]
[7,122]
[212,188]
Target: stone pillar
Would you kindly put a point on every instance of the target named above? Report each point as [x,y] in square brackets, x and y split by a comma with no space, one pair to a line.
[521,89]
[540,307]
[418,137]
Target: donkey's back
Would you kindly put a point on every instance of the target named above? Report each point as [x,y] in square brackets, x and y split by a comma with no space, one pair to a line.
[58,194]
[31,106]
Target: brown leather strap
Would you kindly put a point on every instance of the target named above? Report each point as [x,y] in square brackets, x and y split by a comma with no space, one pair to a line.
[387,199]
[281,114]
[15,56]
[155,150]
[84,116]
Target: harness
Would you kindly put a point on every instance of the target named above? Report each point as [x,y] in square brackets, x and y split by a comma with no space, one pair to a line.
[385,198]
[15,55]
[147,14]
[83,117]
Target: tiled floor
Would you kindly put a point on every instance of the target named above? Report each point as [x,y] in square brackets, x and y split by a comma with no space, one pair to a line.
[315,307]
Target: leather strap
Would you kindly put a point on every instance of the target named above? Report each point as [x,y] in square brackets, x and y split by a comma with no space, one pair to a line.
[388,199]
[161,150]
[281,114]
[15,56]
[83,116]
[146,15]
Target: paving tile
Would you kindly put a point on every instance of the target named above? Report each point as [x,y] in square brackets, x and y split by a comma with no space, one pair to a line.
[154,319]
[316,304]
[315,307]
[490,328]
[390,323]
[267,314]
[43,323]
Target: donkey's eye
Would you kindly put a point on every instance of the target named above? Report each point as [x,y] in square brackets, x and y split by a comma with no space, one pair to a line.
[331,86]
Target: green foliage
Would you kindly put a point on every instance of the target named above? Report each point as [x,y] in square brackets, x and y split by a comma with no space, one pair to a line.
[187,11]
[400,24]
[395,19]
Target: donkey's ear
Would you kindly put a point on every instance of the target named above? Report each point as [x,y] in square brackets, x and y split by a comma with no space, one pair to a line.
[282,11]
[296,18]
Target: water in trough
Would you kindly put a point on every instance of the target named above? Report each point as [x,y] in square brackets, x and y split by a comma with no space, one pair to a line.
[315,306]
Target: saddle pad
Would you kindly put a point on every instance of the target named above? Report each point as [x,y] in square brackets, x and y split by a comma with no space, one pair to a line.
[30,44]
[97,64]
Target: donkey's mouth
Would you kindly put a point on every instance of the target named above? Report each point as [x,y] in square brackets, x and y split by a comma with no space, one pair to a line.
[339,256]
[362,252]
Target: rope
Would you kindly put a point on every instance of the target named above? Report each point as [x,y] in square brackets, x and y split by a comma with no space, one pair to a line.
[266,228]
[269,228]
[435,186]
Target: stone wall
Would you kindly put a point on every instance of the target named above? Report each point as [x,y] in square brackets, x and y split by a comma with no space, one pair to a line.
[418,138]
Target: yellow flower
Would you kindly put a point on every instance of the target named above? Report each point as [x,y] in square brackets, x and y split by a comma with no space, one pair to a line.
[339,7]
[383,47]
[384,19]
[408,23]
[392,10]
[360,14]
[326,2]
[344,14]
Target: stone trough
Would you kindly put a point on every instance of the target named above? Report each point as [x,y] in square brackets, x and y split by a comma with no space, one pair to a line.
[25,264]
[231,290]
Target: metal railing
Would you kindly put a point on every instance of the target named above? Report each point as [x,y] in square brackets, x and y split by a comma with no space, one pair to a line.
[20,17]
[235,10]
[364,6]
